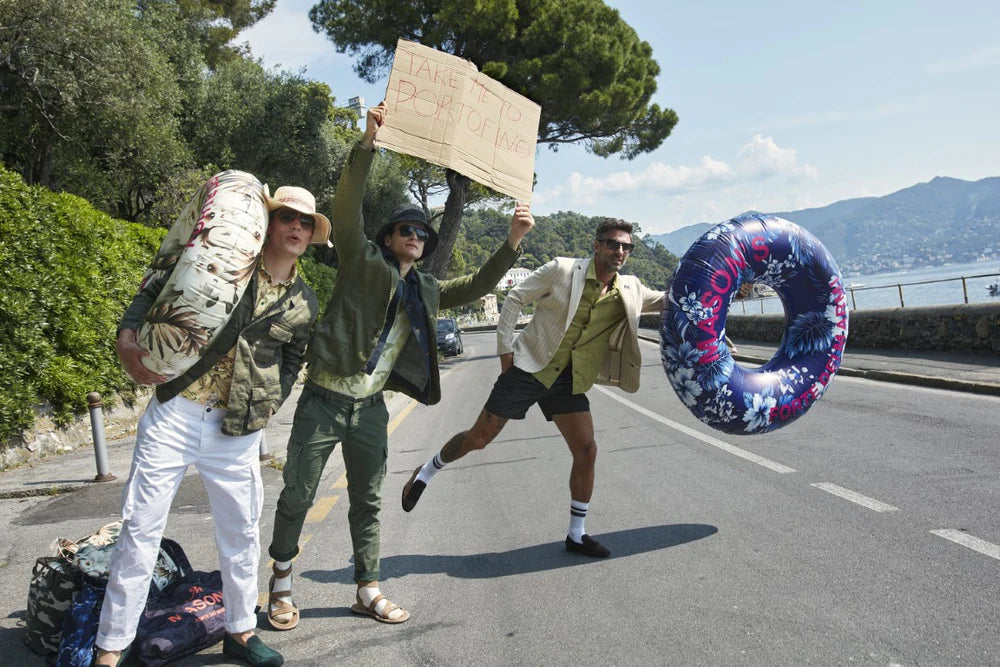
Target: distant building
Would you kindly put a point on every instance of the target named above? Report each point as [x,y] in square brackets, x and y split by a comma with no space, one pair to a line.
[489,303]
[357,105]
[513,278]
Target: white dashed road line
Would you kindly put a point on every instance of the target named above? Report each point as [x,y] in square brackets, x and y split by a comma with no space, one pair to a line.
[966,540]
[855,497]
[709,440]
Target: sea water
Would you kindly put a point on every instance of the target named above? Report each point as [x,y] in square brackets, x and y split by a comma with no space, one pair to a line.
[881,290]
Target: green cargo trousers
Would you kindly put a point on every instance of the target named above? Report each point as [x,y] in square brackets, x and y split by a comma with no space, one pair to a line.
[322,419]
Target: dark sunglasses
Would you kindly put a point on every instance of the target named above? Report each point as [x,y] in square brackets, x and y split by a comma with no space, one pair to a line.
[406,230]
[287,216]
[613,246]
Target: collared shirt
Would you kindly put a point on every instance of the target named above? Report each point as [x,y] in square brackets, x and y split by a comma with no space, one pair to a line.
[212,388]
[364,384]
[585,342]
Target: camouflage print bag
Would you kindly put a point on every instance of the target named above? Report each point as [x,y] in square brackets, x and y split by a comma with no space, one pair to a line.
[55,579]
[50,595]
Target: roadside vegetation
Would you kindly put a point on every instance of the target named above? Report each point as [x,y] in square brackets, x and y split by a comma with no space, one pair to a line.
[111,121]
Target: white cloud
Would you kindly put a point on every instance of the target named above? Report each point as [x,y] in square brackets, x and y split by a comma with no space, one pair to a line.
[987,57]
[764,158]
[657,177]
[763,176]
[759,159]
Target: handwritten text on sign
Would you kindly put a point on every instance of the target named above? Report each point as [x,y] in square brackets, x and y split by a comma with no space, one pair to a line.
[442,109]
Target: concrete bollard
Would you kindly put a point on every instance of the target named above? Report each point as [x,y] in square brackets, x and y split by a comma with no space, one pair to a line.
[97,429]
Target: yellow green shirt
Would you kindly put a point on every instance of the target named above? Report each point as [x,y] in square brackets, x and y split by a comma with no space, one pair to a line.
[362,384]
[586,340]
[213,387]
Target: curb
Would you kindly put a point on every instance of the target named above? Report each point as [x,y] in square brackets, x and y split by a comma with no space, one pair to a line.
[54,490]
[895,377]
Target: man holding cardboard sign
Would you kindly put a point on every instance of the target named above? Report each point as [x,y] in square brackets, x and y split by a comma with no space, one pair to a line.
[377,333]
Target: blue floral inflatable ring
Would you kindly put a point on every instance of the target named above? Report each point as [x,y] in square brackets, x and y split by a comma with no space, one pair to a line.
[753,248]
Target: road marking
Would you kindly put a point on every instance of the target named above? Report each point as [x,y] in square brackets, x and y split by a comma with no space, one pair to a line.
[707,439]
[321,508]
[966,540]
[341,482]
[394,424]
[854,497]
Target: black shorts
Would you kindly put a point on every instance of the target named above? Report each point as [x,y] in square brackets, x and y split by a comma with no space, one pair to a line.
[515,391]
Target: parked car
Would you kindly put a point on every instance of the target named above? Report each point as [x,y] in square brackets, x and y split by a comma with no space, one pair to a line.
[449,336]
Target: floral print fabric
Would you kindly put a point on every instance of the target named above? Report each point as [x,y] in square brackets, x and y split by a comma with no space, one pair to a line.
[208,258]
[753,248]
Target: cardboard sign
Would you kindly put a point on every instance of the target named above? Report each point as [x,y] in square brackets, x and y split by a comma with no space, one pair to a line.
[442,109]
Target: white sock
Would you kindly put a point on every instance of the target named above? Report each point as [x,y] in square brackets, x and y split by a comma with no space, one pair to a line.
[282,585]
[577,516]
[369,593]
[430,469]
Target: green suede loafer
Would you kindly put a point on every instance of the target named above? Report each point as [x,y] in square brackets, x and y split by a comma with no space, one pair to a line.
[256,653]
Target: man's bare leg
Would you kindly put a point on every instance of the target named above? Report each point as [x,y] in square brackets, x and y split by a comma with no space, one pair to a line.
[577,429]
[482,433]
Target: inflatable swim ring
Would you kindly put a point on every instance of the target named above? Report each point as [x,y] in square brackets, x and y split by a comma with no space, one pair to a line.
[210,252]
[758,249]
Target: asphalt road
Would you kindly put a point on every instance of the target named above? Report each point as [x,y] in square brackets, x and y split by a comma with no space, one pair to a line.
[864,533]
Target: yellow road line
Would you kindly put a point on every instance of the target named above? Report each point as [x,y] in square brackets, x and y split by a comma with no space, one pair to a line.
[394,424]
[321,508]
[341,482]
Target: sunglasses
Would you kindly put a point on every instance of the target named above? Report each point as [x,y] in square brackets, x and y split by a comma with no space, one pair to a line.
[287,216]
[407,230]
[613,246]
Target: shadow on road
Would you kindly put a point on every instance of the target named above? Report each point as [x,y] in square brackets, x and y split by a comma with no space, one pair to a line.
[537,558]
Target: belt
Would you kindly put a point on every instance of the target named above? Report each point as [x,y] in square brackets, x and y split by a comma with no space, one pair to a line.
[330,395]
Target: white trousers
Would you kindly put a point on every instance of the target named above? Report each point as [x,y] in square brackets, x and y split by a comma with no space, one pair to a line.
[170,437]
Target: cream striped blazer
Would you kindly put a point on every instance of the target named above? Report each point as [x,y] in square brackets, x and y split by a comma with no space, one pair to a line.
[556,289]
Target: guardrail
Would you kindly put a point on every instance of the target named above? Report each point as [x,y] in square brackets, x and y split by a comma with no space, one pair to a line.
[990,290]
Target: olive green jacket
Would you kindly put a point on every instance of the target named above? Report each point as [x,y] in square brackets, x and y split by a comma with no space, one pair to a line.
[269,351]
[346,336]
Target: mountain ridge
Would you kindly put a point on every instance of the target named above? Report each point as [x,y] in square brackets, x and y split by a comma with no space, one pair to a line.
[927,224]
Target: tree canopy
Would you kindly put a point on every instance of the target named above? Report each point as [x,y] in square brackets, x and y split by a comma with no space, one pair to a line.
[592,75]
[562,234]
[132,105]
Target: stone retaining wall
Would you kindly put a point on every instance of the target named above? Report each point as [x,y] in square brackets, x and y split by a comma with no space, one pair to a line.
[967,327]
[46,438]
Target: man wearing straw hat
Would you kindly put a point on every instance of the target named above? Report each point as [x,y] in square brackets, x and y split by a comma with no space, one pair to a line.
[211,417]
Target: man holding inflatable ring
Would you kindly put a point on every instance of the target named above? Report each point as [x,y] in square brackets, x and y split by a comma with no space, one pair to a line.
[206,418]
[379,332]
[584,330]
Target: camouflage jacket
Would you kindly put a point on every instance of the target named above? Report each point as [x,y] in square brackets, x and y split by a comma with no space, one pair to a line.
[269,350]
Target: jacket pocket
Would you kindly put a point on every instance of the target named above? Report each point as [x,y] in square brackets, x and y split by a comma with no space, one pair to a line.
[280,331]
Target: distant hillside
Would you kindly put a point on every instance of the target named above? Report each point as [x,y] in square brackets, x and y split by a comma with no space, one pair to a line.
[944,220]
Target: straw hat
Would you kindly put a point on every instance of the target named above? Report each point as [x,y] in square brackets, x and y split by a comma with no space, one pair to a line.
[301,200]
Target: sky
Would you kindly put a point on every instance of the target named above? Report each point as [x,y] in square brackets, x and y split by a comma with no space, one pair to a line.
[782,105]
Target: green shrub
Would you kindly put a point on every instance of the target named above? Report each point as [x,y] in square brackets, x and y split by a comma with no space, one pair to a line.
[67,273]
[319,277]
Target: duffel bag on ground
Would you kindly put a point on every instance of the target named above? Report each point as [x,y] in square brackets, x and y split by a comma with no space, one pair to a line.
[50,595]
[55,580]
[187,617]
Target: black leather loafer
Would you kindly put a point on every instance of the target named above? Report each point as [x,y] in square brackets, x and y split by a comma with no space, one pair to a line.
[589,547]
